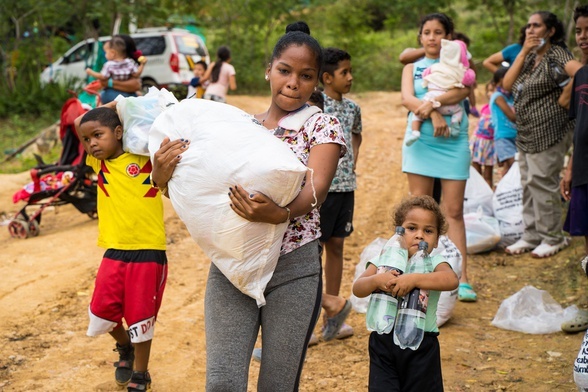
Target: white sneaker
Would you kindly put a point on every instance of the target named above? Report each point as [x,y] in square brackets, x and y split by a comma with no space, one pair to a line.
[521,246]
[546,250]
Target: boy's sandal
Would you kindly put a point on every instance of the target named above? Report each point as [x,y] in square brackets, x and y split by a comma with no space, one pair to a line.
[466,293]
[578,324]
[334,324]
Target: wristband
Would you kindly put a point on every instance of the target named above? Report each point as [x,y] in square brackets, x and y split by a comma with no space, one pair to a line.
[110,83]
[164,189]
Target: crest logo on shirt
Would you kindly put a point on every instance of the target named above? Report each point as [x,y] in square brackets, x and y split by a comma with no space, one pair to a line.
[133,170]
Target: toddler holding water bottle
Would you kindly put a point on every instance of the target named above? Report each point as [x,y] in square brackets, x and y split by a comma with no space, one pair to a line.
[392,368]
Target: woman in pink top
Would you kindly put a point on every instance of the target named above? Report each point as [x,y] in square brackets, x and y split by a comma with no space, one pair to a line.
[221,75]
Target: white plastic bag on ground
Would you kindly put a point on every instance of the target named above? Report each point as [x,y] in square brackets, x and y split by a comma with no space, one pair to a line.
[482,232]
[477,194]
[137,115]
[531,310]
[226,149]
[447,299]
[370,252]
[507,204]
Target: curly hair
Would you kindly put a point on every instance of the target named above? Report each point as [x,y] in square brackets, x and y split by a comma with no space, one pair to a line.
[424,202]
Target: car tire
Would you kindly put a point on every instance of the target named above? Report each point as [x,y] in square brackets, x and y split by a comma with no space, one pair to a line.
[147,83]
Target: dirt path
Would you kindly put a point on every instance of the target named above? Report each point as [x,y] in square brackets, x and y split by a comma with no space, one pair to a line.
[47,280]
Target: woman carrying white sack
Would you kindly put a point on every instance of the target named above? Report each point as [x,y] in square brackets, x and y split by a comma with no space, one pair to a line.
[293,295]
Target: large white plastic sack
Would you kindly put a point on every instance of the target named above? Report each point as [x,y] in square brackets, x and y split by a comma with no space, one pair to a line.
[368,253]
[226,149]
[482,232]
[447,299]
[507,204]
[477,194]
[531,310]
[137,115]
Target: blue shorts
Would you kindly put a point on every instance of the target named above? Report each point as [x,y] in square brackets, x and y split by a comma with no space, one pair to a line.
[505,148]
[577,220]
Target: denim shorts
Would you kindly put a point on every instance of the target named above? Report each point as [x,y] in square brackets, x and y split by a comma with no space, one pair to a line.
[505,148]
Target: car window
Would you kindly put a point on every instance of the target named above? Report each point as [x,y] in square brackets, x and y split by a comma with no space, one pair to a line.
[190,45]
[80,54]
[150,46]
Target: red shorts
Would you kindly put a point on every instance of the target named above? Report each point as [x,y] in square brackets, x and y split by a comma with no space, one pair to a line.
[129,285]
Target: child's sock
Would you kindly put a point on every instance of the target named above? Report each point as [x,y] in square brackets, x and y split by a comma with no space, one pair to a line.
[413,137]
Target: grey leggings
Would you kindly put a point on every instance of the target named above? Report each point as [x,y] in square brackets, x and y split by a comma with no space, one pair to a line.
[287,320]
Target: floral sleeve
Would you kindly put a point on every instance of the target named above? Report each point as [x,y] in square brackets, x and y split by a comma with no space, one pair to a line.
[326,130]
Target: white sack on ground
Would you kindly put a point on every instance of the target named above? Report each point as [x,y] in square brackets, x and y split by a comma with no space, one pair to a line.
[477,194]
[507,204]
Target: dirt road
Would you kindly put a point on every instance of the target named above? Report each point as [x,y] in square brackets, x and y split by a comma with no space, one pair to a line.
[47,280]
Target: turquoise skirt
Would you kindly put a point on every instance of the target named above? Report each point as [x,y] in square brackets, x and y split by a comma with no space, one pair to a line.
[437,157]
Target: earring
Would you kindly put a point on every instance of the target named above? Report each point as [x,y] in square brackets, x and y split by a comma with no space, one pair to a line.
[266,77]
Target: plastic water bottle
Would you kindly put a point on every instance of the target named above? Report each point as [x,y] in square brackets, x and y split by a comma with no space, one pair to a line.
[410,323]
[383,306]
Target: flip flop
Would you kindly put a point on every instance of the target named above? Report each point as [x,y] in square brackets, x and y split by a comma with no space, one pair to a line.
[334,324]
[466,293]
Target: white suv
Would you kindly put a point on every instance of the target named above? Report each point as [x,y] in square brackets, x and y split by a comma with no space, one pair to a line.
[171,55]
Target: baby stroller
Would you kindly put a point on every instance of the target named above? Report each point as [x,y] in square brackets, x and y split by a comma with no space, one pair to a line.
[68,181]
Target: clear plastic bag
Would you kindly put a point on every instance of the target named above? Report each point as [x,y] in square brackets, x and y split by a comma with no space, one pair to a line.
[531,310]
[138,114]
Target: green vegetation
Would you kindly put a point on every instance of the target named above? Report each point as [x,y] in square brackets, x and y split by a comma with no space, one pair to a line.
[373,31]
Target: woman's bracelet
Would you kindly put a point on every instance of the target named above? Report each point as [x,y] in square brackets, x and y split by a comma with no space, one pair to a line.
[110,82]
[288,218]
[161,189]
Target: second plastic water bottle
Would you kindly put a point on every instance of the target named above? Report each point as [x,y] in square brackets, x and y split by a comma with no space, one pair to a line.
[410,322]
[383,306]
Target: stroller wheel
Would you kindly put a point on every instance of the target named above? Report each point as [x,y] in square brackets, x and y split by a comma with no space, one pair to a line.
[19,228]
[34,229]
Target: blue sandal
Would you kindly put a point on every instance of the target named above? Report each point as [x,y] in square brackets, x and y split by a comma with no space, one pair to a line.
[466,293]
